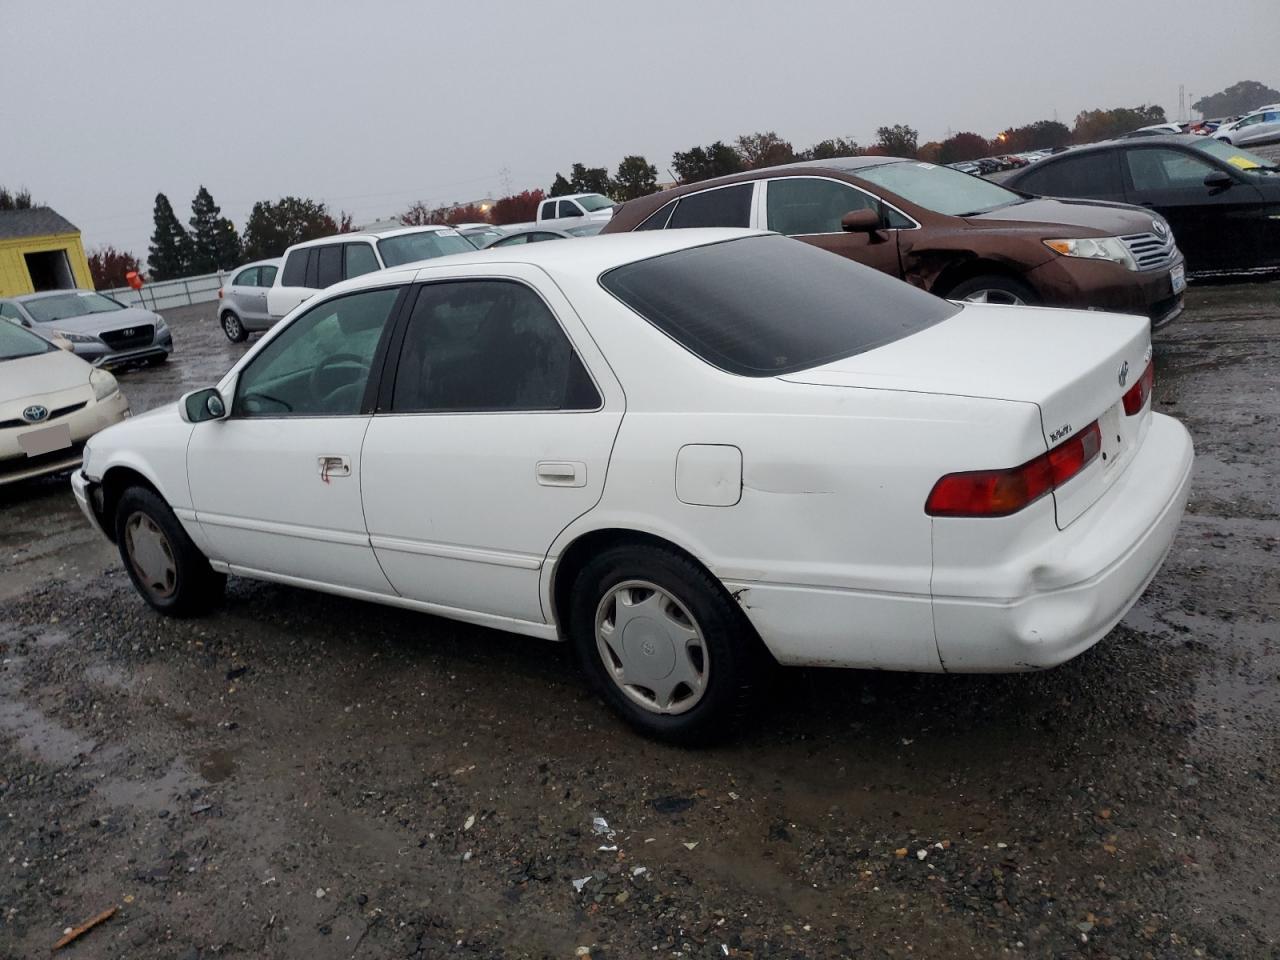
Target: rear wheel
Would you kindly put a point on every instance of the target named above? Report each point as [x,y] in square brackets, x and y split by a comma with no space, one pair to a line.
[165,566]
[664,644]
[993,288]
[233,328]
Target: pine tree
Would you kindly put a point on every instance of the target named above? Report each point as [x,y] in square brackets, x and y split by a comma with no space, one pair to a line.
[215,243]
[170,253]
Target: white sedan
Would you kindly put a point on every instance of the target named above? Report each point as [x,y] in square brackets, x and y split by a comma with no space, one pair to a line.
[51,402]
[688,452]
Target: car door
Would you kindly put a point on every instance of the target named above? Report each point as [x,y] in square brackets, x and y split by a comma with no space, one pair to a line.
[276,485]
[1265,129]
[1216,228]
[261,316]
[810,209]
[494,435]
[298,281]
[247,297]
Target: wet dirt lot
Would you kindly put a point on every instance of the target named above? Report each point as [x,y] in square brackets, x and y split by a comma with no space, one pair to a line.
[305,776]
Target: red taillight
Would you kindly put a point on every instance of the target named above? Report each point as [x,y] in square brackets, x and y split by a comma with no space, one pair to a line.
[219,293]
[1136,397]
[998,493]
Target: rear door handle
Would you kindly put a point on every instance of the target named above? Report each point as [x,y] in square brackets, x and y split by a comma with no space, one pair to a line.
[333,466]
[562,473]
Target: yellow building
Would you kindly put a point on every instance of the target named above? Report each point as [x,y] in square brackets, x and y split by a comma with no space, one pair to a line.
[39,250]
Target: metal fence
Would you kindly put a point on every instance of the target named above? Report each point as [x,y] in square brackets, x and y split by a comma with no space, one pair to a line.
[171,293]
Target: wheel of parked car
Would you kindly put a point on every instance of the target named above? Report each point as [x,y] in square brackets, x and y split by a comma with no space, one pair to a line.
[233,328]
[664,644]
[993,289]
[167,568]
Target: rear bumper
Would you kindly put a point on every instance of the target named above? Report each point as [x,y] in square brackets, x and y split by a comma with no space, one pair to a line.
[1101,285]
[1066,594]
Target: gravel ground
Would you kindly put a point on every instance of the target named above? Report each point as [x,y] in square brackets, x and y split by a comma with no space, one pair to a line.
[311,777]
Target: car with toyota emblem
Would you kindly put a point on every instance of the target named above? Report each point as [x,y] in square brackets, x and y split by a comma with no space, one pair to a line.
[101,330]
[51,402]
[955,235]
[689,453]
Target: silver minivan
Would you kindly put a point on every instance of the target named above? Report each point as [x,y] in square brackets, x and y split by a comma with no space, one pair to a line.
[242,302]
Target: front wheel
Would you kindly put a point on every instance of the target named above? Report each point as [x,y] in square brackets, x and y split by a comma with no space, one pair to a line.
[664,644]
[233,328]
[169,571]
[994,288]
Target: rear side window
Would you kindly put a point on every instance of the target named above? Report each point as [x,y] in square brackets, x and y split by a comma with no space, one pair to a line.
[1093,175]
[295,269]
[764,306]
[658,221]
[724,207]
[487,345]
[329,269]
[549,210]
[360,260]
[267,276]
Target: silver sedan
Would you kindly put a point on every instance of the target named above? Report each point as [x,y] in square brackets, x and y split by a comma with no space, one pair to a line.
[101,330]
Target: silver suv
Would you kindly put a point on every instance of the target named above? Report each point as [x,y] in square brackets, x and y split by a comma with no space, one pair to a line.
[242,303]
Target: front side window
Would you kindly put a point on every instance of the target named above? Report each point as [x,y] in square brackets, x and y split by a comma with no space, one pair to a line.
[66,305]
[765,305]
[320,365]
[246,278]
[360,260]
[802,205]
[938,188]
[722,207]
[1166,170]
[10,312]
[295,268]
[487,345]
[569,209]
[427,245]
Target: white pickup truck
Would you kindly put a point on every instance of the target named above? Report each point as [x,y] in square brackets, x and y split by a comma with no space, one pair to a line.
[578,208]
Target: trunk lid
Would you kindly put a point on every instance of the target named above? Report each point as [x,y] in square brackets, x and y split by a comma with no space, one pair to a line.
[1068,363]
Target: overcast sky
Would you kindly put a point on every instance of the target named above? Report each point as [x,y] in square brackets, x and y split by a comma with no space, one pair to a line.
[370,106]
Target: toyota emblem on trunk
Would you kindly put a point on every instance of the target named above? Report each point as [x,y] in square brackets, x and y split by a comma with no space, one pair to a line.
[1124,372]
[35,413]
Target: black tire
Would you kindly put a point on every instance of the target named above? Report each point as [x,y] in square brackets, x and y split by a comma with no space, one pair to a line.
[736,660]
[233,328]
[999,288]
[193,587]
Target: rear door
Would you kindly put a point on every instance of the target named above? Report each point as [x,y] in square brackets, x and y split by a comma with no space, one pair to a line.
[810,209]
[1216,228]
[493,435]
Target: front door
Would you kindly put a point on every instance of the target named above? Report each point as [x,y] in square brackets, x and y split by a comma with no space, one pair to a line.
[276,485]
[495,437]
[1215,228]
[810,209]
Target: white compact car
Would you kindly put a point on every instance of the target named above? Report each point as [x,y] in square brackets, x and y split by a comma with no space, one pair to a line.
[687,452]
[51,402]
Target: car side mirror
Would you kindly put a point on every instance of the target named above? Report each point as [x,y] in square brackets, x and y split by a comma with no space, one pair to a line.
[201,405]
[1219,180]
[861,221]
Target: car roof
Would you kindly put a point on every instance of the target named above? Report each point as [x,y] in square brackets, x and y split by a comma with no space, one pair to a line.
[372,236]
[585,258]
[1184,139]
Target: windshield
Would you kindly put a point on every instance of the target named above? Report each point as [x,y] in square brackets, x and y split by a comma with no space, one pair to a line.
[1242,160]
[64,305]
[939,189]
[409,247]
[16,342]
[768,305]
[594,201]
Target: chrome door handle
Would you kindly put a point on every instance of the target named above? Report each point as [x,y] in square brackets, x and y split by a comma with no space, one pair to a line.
[334,466]
[562,473]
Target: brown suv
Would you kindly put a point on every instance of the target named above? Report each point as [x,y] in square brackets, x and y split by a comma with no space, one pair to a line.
[958,236]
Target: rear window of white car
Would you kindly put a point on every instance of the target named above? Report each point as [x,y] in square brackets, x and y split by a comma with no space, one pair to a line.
[765,306]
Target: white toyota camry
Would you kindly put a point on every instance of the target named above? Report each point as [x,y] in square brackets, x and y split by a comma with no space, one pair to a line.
[687,452]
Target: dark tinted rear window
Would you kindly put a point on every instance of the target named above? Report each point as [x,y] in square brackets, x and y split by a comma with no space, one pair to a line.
[764,306]
[295,269]
[724,207]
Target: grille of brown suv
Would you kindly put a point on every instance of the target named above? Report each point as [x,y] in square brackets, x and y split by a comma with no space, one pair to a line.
[126,338]
[1149,250]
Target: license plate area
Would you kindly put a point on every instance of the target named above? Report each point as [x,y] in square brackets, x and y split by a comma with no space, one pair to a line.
[1178,277]
[1113,442]
[35,443]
